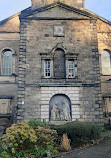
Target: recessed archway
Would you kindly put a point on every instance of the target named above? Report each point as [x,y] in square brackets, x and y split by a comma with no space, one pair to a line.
[60,108]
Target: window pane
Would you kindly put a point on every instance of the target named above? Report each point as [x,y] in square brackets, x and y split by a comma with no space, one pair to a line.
[4,108]
[47,68]
[7,62]
[71,67]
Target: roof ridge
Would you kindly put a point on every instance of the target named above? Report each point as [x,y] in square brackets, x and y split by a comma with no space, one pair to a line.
[98,16]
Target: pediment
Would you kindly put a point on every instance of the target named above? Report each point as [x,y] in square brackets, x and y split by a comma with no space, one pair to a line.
[59,10]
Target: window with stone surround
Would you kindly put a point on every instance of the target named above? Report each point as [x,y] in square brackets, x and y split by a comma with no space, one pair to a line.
[71,69]
[5,107]
[59,64]
[47,68]
[106,62]
[6,63]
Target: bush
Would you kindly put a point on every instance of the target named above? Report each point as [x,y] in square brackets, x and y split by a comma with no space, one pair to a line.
[79,132]
[34,124]
[19,137]
[47,139]
[21,141]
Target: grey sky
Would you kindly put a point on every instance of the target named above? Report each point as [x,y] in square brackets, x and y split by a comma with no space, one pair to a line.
[10,7]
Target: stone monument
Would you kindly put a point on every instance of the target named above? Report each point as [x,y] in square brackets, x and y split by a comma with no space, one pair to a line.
[60,110]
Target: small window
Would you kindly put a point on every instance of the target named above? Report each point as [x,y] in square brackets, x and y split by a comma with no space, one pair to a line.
[5,106]
[6,63]
[71,69]
[47,68]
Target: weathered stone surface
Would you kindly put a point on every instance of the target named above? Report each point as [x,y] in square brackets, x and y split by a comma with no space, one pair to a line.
[73,3]
[82,40]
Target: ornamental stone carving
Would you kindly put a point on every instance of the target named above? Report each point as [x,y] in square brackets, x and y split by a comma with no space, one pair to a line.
[60,108]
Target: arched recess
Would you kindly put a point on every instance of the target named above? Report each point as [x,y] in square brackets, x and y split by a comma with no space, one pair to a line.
[59,63]
[106,62]
[60,108]
[7,61]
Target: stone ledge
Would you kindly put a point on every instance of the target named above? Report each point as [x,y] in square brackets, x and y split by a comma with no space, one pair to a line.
[59,84]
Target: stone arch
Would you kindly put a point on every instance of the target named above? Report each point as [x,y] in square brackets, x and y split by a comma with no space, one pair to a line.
[106,62]
[60,108]
[58,46]
[8,48]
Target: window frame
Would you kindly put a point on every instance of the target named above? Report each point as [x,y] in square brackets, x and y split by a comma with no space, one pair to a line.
[7,109]
[105,69]
[4,63]
[46,68]
[73,68]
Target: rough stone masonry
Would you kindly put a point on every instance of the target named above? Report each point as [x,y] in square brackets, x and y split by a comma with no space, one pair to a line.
[60,67]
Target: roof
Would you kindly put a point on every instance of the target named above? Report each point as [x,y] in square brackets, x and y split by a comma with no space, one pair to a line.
[11,24]
[99,17]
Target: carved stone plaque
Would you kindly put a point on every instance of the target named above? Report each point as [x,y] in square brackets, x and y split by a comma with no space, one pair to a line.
[59,31]
[60,108]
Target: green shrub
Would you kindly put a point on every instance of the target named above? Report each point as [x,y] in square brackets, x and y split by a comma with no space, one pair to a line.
[21,141]
[30,153]
[35,123]
[47,139]
[19,137]
[79,132]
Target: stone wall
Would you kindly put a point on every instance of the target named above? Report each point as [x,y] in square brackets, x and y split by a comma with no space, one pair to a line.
[73,3]
[8,84]
[72,92]
[80,37]
[104,44]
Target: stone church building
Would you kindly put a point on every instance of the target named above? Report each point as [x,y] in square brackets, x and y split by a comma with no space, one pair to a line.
[55,64]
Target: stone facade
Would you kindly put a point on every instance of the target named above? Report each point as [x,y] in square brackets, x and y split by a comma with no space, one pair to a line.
[57,33]
[73,3]
[104,46]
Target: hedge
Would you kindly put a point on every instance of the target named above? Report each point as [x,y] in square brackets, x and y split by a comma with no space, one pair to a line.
[79,132]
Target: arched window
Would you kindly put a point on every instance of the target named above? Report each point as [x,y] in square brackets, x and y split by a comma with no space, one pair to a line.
[106,62]
[6,62]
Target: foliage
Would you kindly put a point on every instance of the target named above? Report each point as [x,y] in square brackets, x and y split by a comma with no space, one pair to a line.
[35,123]
[107,127]
[21,141]
[30,153]
[65,143]
[79,132]
[19,137]
[1,150]
[47,139]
